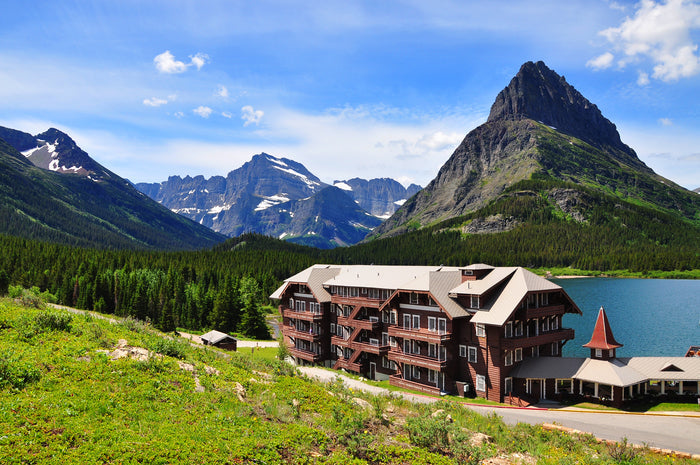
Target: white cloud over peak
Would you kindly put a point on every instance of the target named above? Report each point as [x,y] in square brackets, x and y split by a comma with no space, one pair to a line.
[250,115]
[203,111]
[604,61]
[154,102]
[166,62]
[660,33]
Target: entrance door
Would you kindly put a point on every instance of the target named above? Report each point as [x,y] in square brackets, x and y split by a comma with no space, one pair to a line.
[372,370]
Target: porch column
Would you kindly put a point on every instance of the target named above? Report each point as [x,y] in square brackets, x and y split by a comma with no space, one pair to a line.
[595,390]
[580,387]
[680,388]
[631,391]
[663,387]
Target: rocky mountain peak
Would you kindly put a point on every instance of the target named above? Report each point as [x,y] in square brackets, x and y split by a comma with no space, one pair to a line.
[539,93]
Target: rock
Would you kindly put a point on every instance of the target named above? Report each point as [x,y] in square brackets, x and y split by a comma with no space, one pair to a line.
[361,403]
[240,391]
[478,439]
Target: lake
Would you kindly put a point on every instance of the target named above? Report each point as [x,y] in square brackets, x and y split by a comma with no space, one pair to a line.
[650,317]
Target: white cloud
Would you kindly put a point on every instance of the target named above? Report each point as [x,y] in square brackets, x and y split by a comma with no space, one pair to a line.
[199,60]
[154,102]
[665,122]
[202,111]
[222,92]
[166,62]
[251,116]
[643,79]
[661,34]
[227,114]
[179,114]
[604,61]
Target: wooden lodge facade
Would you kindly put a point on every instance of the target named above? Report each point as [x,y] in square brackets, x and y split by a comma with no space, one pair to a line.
[431,329]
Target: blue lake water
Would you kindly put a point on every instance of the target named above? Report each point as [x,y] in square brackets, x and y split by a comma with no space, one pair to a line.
[650,317]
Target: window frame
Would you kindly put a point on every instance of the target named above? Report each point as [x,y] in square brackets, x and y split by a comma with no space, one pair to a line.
[463,350]
[472,354]
[480,330]
[480,383]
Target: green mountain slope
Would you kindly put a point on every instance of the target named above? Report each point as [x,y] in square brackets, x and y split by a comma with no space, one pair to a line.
[76,210]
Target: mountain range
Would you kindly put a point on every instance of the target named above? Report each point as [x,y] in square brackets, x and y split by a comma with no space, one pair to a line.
[52,190]
[281,198]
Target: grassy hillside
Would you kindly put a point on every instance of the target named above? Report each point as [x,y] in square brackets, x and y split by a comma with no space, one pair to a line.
[66,397]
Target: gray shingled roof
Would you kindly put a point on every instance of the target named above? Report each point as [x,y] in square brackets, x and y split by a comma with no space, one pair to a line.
[313,276]
[214,337]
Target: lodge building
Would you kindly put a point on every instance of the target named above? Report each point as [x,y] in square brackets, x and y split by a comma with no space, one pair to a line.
[434,329]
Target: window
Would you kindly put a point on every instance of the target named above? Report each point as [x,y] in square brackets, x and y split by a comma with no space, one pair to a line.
[555,322]
[544,300]
[536,351]
[406,346]
[611,353]
[432,350]
[353,291]
[508,331]
[416,372]
[406,321]
[518,329]
[386,363]
[385,339]
[555,348]
[508,385]
[413,298]
[363,291]
[442,326]
[518,355]
[480,330]
[385,317]
[598,353]
[474,301]
[564,385]
[392,341]
[332,328]
[431,323]
[480,383]
[509,358]
[416,321]
[291,304]
[472,354]
[393,317]
[462,351]
[432,376]
[431,302]
[416,348]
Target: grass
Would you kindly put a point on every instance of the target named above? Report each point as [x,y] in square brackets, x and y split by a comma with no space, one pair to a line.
[677,274]
[66,399]
[644,406]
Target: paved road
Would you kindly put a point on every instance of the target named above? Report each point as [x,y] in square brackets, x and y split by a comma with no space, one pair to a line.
[678,432]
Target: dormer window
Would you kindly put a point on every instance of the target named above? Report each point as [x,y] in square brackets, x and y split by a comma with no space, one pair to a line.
[474,301]
[413,298]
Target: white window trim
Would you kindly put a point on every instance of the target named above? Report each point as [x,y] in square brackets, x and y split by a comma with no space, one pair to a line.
[472,354]
[432,324]
[508,359]
[508,330]
[480,383]
[508,385]
[480,330]
[415,372]
[518,354]
[462,351]
[598,353]
[415,322]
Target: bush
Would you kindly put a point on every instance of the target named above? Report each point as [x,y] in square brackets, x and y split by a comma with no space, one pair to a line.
[170,347]
[428,432]
[53,321]
[16,373]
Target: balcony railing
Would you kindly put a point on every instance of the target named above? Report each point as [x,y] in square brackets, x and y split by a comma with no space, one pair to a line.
[418,360]
[425,335]
[397,380]
[305,355]
[532,312]
[372,346]
[306,316]
[370,325]
[356,367]
[543,338]
[291,331]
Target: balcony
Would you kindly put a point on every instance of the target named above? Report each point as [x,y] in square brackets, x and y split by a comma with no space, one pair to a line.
[372,347]
[424,335]
[291,331]
[418,360]
[339,341]
[306,316]
[305,355]
[355,367]
[397,380]
[539,312]
[370,325]
[563,334]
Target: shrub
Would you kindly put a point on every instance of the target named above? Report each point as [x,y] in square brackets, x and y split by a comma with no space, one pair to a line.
[15,372]
[170,347]
[428,432]
[53,321]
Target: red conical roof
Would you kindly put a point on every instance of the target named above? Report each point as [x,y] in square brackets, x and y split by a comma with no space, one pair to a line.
[602,334]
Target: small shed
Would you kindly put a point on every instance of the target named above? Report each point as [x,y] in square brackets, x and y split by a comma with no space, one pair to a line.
[219,339]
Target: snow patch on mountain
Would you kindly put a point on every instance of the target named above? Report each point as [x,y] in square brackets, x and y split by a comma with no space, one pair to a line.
[400,202]
[343,186]
[271,202]
[305,179]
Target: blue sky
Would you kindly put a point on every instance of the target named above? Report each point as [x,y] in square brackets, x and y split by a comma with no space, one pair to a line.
[348,88]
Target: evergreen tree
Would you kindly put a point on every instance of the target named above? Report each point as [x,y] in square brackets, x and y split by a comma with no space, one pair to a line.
[4,282]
